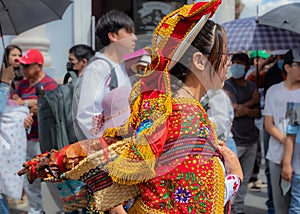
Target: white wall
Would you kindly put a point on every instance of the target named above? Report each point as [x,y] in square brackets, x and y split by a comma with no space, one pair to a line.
[224,13]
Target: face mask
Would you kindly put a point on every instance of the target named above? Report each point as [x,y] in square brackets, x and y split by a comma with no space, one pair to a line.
[237,70]
[70,66]
[280,64]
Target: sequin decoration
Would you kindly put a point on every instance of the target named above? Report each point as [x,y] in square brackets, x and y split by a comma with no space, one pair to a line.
[144,125]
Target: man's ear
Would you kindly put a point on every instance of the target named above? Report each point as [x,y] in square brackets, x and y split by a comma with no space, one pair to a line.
[287,67]
[199,60]
[84,62]
[112,37]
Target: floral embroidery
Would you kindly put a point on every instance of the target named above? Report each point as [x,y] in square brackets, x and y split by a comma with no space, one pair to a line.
[232,184]
[203,132]
[182,195]
[236,186]
[230,177]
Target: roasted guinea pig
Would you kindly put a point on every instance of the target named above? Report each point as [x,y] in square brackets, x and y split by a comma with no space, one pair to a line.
[51,165]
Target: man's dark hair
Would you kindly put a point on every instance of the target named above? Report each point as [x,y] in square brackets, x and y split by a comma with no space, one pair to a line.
[112,22]
[241,56]
[82,51]
[288,58]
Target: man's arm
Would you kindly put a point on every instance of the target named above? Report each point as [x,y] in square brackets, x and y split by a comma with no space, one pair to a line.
[287,169]
[94,86]
[254,101]
[240,111]
[273,130]
[248,108]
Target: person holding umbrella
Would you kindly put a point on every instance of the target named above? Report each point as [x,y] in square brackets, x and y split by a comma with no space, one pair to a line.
[260,61]
[7,75]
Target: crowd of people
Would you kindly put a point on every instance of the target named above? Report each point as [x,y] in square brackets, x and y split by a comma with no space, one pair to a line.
[181,132]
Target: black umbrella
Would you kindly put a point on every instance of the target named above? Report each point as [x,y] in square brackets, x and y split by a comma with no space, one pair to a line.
[17,16]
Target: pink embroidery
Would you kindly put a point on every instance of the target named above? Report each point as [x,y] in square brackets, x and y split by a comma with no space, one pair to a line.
[97,123]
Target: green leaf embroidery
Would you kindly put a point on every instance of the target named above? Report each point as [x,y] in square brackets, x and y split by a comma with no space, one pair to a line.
[166,195]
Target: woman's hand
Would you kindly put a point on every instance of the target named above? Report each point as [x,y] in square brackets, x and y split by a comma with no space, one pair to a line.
[8,74]
[232,163]
[117,210]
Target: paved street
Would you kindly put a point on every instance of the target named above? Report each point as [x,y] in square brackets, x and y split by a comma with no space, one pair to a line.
[255,202]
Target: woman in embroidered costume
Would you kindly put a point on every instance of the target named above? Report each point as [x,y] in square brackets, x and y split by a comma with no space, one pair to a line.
[167,154]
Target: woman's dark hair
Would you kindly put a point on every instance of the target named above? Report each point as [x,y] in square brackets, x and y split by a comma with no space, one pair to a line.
[209,41]
[112,22]
[8,49]
[82,51]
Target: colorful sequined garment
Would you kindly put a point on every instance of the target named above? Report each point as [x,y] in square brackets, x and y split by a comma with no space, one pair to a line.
[171,152]
[189,176]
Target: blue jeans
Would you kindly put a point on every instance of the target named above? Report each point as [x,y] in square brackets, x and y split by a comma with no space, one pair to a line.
[295,195]
[3,206]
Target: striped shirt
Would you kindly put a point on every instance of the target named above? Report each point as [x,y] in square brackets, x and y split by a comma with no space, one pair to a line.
[25,91]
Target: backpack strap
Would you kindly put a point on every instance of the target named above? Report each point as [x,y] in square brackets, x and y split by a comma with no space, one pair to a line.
[113,79]
[113,76]
[69,74]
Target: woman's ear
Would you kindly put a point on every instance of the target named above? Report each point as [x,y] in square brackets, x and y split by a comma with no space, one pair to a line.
[199,60]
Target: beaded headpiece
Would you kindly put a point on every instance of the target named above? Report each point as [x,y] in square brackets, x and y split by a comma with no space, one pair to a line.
[177,30]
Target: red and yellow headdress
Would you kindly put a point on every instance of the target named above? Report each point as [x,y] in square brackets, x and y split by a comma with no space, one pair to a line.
[151,97]
[177,30]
